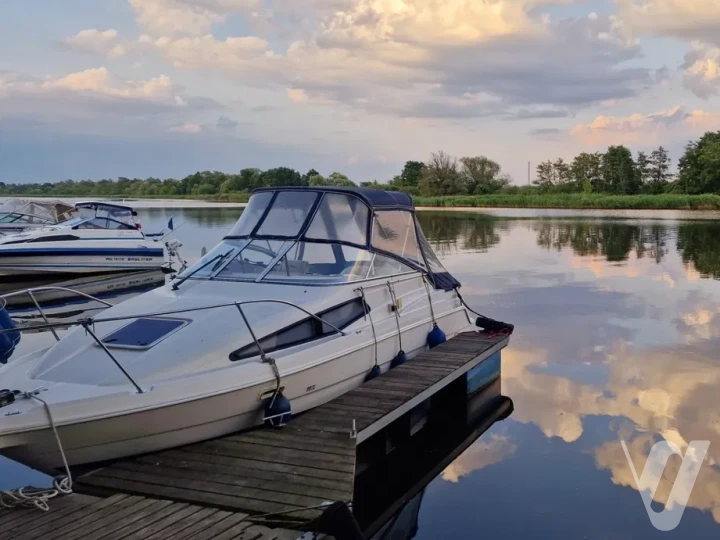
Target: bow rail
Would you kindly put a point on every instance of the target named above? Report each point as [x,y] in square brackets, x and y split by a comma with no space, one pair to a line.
[89,322]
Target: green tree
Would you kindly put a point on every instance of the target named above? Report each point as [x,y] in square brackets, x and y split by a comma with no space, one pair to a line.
[412,173]
[441,176]
[619,173]
[545,177]
[642,169]
[481,175]
[586,170]
[339,179]
[282,176]
[659,175]
[317,180]
[699,168]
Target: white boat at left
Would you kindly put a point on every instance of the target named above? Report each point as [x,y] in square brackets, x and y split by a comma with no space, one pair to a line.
[104,237]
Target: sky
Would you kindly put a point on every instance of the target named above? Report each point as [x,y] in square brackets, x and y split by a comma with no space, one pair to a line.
[165,88]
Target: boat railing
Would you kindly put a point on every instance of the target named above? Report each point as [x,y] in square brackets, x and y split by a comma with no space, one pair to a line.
[88,323]
[34,290]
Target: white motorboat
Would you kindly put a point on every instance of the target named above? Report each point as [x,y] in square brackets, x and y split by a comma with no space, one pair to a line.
[312,291]
[103,237]
[18,215]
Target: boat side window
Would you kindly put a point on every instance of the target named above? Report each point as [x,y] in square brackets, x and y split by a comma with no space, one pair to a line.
[394,232]
[288,214]
[307,330]
[340,218]
[322,263]
[251,215]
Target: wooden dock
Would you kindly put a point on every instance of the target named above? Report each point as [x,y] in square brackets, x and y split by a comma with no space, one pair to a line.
[132,517]
[261,477]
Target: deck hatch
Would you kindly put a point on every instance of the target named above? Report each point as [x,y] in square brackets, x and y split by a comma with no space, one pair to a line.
[143,333]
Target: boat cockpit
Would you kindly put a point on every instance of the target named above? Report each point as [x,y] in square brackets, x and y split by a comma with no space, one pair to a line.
[322,236]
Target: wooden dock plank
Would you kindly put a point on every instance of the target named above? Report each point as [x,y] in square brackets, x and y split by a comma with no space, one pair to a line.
[162,524]
[306,484]
[284,501]
[180,526]
[318,460]
[202,524]
[25,517]
[97,521]
[209,473]
[40,527]
[218,457]
[234,521]
[129,528]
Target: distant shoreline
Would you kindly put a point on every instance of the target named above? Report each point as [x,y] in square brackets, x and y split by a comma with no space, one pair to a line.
[559,201]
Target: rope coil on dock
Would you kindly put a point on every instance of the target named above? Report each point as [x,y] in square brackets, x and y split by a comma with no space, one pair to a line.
[40,497]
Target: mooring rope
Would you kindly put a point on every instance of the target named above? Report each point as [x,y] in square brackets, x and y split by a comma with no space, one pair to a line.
[396,309]
[368,315]
[40,497]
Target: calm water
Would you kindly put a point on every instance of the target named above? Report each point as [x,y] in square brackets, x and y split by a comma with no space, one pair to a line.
[617,339]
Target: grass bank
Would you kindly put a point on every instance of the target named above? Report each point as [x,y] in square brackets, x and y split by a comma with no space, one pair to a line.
[577,200]
[549,200]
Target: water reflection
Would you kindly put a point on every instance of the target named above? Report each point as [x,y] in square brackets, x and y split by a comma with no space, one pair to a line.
[613,241]
[699,244]
[617,338]
[476,232]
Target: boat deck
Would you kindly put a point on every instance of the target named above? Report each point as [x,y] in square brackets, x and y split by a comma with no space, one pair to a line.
[262,476]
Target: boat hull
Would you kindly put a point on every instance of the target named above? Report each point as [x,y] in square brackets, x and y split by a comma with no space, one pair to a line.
[213,416]
[26,263]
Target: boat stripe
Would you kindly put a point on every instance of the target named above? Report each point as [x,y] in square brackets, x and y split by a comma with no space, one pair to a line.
[14,252]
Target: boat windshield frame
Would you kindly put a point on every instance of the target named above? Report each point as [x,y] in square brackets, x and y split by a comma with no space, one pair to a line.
[98,208]
[368,254]
[41,220]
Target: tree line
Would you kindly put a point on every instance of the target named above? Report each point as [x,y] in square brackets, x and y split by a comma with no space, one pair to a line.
[615,171]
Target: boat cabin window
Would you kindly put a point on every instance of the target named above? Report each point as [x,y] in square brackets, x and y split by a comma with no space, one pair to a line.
[307,330]
[394,232]
[340,217]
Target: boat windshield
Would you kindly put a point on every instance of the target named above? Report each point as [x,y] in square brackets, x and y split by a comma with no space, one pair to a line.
[318,236]
[35,212]
[105,216]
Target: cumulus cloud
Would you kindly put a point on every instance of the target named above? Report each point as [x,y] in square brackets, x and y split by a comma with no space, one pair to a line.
[685,19]
[188,16]
[702,70]
[100,42]
[87,96]
[638,127]
[423,58]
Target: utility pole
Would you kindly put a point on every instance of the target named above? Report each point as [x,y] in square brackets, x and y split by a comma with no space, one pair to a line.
[528,173]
